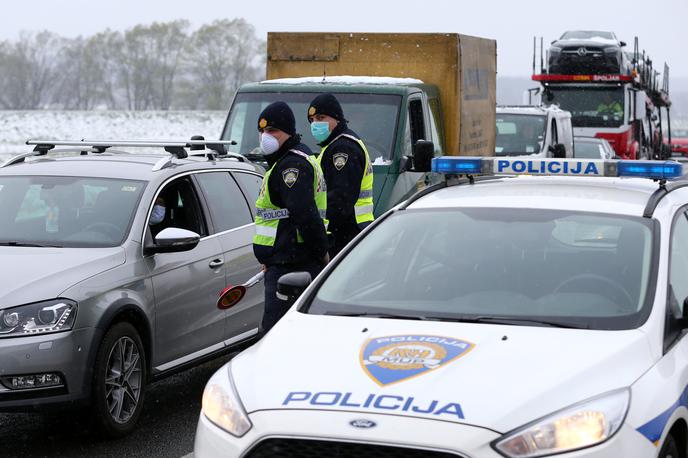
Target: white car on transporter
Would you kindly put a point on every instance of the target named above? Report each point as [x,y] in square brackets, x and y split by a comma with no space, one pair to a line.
[488,316]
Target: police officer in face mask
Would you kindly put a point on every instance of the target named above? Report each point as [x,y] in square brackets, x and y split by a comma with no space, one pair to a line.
[290,210]
[348,172]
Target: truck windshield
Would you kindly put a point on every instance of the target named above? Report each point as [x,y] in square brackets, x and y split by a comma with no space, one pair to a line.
[372,116]
[572,269]
[519,134]
[63,211]
[590,107]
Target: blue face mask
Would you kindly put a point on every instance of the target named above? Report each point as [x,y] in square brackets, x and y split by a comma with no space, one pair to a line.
[157,215]
[320,130]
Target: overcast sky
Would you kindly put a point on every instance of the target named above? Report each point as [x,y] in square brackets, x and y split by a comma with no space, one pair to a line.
[512,23]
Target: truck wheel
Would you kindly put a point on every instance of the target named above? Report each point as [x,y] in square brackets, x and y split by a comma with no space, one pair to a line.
[119,381]
[669,449]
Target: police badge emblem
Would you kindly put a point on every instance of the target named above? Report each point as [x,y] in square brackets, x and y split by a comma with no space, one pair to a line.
[290,176]
[339,160]
[393,359]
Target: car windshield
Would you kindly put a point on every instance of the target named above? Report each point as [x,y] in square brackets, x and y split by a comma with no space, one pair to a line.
[521,265]
[586,35]
[66,211]
[679,133]
[519,134]
[372,116]
[589,149]
[590,107]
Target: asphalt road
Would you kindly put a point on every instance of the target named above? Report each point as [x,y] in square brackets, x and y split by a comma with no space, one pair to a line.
[166,428]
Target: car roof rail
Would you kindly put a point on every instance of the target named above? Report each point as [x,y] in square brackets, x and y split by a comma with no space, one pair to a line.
[214,149]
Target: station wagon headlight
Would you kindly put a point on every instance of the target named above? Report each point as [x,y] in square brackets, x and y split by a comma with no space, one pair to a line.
[222,406]
[582,425]
[40,318]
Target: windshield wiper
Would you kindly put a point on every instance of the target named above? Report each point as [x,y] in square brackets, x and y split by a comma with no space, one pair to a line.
[513,321]
[26,244]
[377,315]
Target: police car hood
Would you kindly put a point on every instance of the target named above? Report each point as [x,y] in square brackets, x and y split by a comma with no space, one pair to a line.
[493,376]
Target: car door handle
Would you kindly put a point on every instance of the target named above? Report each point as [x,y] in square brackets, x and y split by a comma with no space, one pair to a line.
[215,263]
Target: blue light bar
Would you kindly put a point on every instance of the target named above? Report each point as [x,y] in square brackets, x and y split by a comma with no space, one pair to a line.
[457,165]
[524,165]
[655,170]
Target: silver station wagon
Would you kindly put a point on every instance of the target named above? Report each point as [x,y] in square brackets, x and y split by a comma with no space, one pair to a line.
[111,264]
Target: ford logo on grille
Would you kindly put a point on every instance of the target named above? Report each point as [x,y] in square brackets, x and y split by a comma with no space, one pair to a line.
[363,424]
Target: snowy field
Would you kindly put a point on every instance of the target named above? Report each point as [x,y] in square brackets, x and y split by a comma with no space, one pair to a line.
[18,126]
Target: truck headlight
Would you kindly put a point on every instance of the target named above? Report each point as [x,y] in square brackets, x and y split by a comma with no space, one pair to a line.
[222,406]
[582,425]
[40,318]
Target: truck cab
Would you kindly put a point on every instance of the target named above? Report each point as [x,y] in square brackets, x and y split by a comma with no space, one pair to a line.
[530,130]
[389,114]
[409,96]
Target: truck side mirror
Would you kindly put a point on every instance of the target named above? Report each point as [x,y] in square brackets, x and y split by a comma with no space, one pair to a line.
[291,285]
[558,151]
[423,152]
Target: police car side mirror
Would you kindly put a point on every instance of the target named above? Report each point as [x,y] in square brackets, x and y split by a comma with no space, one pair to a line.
[291,285]
[558,151]
[423,152]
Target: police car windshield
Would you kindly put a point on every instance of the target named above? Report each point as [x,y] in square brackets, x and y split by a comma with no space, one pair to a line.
[519,134]
[372,116]
[578,269]
[589,107]
[71,212]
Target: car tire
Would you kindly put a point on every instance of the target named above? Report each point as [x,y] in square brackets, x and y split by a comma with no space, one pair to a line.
[119,378]
[669,449]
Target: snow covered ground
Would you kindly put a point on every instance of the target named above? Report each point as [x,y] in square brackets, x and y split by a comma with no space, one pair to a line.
[18,126]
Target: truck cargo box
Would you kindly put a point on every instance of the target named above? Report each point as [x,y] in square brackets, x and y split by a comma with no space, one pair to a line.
[462,67]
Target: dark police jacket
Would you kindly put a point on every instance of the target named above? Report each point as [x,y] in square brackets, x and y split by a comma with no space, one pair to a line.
[299,199]
[343,180]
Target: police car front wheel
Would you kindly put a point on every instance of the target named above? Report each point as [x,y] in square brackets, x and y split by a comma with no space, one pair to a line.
[670,448]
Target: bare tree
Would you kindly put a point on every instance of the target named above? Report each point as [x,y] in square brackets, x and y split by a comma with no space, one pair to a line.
[156,66]
[148,60]
[29,67]
[219,58]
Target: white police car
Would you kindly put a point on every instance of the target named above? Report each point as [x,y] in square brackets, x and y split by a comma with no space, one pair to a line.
[488,316]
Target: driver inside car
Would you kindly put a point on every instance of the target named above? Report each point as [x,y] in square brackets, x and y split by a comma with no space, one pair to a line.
[157,215]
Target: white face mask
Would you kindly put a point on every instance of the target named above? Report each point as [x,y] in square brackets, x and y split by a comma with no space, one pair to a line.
[157,215]
[268,143]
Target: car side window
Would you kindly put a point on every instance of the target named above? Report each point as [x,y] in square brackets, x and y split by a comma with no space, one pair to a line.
[182,208]
[417,121]
[251,184]
[678,269]
[228,207]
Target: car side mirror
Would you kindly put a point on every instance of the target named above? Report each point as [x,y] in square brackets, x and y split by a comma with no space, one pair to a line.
[622,44]
[423,152]
[291,285]
[174,240]
[558,151]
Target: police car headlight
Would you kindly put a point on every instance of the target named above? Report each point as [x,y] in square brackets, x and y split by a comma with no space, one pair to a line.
[222,406]
[582,425]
